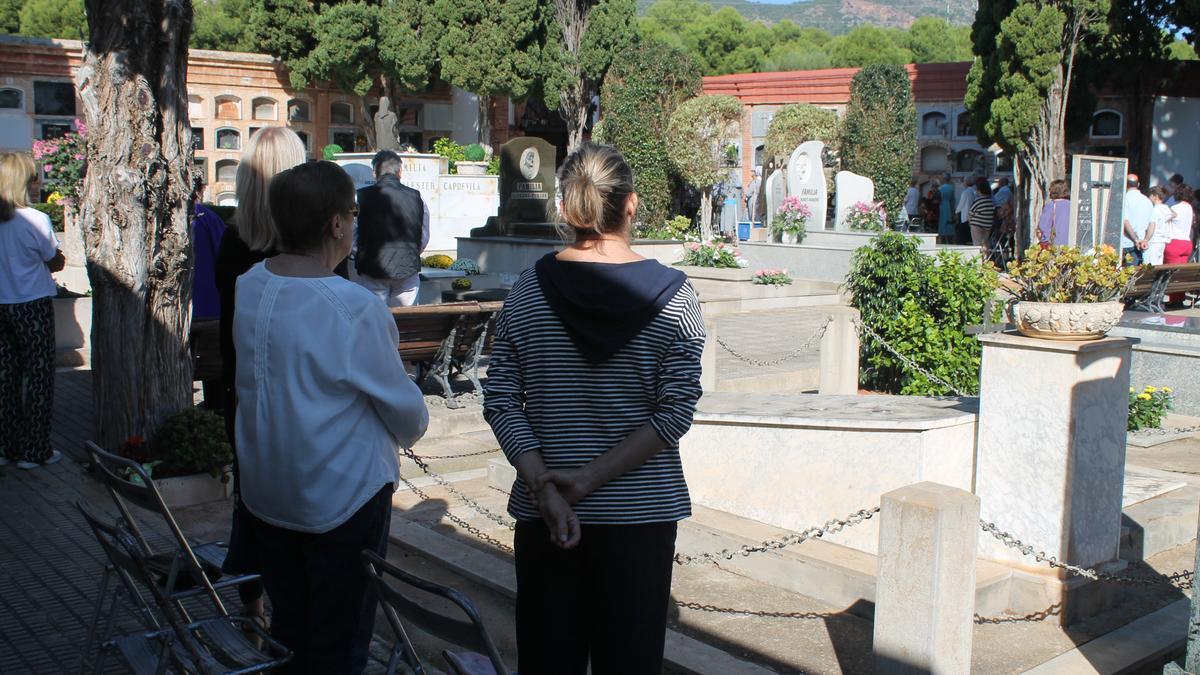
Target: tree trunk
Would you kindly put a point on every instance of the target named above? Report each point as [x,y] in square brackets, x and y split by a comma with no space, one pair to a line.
[485,120]
[368,125]
[706,212]
[134,211]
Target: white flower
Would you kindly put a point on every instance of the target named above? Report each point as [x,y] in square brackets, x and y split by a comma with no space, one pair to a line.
[742,262]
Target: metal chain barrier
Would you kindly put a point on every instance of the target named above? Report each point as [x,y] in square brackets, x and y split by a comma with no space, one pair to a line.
[1163,431]
[1032,617]
[423,466]
[1179,579]
[830,527]
[813,340]
[459,521]
[460,455]
[913,365]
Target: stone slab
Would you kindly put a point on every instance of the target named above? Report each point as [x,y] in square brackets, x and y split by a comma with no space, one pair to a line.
[1159,524]
[682,653]
[1142,642]
[752,454]
[1140,486]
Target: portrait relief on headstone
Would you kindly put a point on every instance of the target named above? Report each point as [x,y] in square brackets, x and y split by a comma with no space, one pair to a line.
[806,180]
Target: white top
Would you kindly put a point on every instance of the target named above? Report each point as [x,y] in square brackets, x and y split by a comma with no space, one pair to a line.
[1138,211]
[27,243]
[1180,225]
[1162,228]
[323,398]
[912,200]
[965,201]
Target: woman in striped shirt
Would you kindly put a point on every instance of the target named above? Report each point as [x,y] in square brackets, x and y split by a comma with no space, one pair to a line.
[593,379]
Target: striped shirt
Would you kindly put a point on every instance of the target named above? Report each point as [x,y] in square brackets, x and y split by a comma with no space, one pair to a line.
[983,213]
[543,395]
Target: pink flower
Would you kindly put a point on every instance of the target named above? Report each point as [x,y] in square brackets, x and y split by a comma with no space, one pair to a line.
[78,157]
[80,126]
[47,168]
[693,246]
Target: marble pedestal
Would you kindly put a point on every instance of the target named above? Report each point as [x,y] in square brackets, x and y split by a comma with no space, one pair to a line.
[1051,448]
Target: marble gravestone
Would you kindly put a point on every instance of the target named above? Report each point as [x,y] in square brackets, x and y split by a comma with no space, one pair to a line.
[1097,201]
[527,190]
[851,189]
[775,188]
[806,180]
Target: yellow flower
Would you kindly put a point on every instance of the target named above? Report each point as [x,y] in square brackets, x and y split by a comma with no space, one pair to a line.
[1167,390]
[54,197]
[1131,390]
[1144,397]
[1151,390]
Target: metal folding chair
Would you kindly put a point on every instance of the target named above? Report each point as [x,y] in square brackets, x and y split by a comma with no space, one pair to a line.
[169,640]
[484,659]
[183,571]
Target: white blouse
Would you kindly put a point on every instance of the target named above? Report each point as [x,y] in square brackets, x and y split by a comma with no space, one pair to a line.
[27,243]
[323,398]
[1180,225]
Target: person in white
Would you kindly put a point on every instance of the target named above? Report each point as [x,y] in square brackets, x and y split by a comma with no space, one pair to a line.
[323,404]
[28,254]
[1137,214]
[966,200]
[912,200]
[1159,233]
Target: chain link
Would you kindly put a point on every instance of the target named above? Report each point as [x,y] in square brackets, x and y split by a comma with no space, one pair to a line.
[864,328]
[1164,431]
[813,340]
[1179,579]
[459,521]
[830,527]
[1032,617]
[437,478]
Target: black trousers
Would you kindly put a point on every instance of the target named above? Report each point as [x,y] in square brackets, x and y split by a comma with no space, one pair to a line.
[26,380]
[323,609]
[605,599]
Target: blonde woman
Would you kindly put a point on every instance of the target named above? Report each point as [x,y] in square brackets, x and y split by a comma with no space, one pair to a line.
[28,254]
[600,486]
[251,239]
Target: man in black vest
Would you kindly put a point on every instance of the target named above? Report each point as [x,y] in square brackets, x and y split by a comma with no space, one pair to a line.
[393,230]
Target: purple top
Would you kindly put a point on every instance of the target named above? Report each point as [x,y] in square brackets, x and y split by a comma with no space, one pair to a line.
[207,230]
[1056,218]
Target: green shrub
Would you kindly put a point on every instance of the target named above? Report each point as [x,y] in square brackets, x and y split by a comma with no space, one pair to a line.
[474,153]
[439,261]
[1148,407]
[189,442]
[921,306]
[641,90]
[330,150]
[453,152]
[675,229]
[54,211]
[794,124]
[494,165]
[878,135]
[461,284]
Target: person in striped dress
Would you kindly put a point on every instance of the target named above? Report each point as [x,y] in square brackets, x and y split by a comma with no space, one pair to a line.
[593,378]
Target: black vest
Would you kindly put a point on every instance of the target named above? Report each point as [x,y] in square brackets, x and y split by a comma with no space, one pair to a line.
[389,230]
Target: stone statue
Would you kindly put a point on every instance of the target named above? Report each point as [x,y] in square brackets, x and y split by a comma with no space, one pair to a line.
[385,126]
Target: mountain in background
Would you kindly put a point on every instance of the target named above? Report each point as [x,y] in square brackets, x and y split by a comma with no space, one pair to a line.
[839,16]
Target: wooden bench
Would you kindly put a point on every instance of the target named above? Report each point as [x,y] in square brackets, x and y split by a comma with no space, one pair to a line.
[1150,289]
[445,339]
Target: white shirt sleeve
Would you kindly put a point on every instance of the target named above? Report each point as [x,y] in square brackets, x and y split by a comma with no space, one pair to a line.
[375,368]
[424,225]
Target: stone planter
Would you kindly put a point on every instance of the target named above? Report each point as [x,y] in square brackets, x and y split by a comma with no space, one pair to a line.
[1066,320]
[471,168]
[198,488]
[718,273]
[792,238]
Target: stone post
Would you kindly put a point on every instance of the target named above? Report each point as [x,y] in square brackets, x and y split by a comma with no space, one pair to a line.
[839,353]
[1050,458]
[708,358]
[1190,664]
[925,594]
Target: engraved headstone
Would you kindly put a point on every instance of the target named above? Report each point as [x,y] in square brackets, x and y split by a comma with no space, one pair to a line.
[1097,201]
[527,190]
[851,189]
[806,180]
[776,191]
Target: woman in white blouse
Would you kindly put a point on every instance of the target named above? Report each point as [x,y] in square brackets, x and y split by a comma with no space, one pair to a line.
[323,403]
[1179,231]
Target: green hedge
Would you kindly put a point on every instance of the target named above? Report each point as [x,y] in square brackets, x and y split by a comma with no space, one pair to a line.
[920,305]
[879,132]
[55,211]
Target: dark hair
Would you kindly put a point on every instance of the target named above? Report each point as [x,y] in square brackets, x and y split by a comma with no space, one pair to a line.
[385,161]
[1185,193]
[1059,189]
[1176,179]
[1161,192]
[985,189]
[596,183]
[304,199]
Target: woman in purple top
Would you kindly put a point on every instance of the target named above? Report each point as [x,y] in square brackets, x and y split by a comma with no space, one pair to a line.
[1054,227]
[207,230]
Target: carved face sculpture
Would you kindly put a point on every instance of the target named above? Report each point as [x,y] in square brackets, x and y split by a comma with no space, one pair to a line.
[803,167]
[530,163]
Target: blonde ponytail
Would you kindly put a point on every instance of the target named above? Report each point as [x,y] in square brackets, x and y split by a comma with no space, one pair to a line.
[596,183]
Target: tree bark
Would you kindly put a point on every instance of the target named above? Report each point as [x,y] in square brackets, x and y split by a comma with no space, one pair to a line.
[706,213]
[134,210]
[485,120]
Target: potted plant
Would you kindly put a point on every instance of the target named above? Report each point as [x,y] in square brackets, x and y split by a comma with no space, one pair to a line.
[474,161]
[1062,293]
[866,217]
[790,220]
[188,456]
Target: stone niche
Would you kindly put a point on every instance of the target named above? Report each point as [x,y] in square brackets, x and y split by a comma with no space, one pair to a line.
[799,460]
